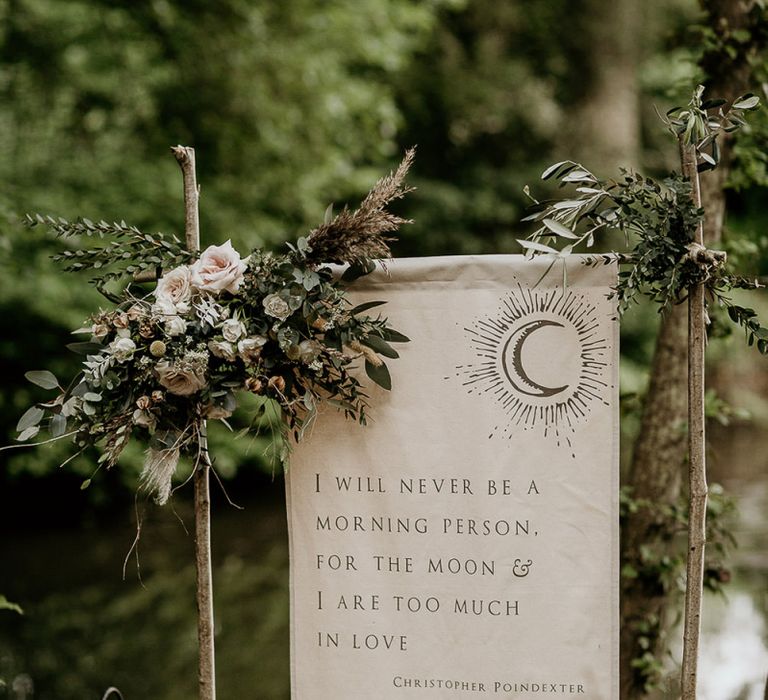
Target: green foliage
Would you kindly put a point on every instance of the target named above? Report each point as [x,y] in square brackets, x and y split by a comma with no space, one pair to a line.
[660,567]
[128,251]
[657,219]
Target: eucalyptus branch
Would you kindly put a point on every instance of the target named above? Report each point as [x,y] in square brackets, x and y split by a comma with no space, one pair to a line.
[127,251]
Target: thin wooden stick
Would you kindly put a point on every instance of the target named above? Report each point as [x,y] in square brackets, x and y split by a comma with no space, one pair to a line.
[186,159]
[207,659]
[697,468]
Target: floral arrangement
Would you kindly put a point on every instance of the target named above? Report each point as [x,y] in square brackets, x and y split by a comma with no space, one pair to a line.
[162,362]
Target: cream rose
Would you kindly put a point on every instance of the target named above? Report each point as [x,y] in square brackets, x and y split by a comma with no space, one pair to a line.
[218,269]
[179,380]
[276,307]
[222,349]
[174,286]
[232,330]
[250,348]
[175,325]
[122,349]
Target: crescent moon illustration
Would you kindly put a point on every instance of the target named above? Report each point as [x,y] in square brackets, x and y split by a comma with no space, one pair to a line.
[519,377]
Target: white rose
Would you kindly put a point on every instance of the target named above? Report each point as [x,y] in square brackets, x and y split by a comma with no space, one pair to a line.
[232,330]
[174,286]
[122,349]
[179,380]
[250,348]
[276,307]
[222,349]
[163,308]
[309,350]
[175,325]
[218,269]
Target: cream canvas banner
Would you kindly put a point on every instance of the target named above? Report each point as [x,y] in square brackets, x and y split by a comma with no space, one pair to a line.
[465,542]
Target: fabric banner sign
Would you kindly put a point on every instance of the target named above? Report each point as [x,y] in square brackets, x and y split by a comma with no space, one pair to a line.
[465,542]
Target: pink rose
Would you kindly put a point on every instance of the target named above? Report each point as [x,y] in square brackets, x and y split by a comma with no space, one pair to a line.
[182,381]
[218,269]
[173,287]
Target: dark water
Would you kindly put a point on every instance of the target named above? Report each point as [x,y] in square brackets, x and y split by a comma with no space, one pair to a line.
[85,628]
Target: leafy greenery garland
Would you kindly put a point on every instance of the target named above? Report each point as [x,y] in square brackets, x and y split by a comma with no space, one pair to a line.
[657,219]
[276,325]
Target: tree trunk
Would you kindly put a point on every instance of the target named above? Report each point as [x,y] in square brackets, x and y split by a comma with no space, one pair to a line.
[607,120]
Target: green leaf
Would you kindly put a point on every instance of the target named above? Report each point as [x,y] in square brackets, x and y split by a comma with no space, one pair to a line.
[6,604]
[364,307]
[28,433]
[394,336]
[358,269]
[379,374]
[91,396]
[747,101]
[30,418]
[58,425]
[380,345]
[85,484]
[85,348]
[43,378]
[550,171]
[533,245]
[558,229]
[328,216]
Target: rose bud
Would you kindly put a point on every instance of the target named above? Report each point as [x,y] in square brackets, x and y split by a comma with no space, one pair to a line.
[143,402]
[158,396]
[146,329]
[120,321]
[254,385]
[277,383]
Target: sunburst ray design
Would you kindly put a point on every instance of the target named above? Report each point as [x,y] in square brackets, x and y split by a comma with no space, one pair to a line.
[498,342]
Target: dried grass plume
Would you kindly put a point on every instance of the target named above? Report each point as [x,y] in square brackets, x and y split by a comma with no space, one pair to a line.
[361,234]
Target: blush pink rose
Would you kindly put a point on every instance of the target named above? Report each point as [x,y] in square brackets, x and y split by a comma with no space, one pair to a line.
[173,287]
[218,269]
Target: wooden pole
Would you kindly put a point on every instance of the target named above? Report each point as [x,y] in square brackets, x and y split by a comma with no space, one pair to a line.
[697,470]
[207,658]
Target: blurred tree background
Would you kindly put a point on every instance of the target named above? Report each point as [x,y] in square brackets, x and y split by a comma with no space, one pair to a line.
[291,105]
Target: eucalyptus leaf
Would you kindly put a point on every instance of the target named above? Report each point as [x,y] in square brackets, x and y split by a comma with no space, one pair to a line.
[379,374]
[380,345]
[747,101]
[30,418]
[540,247]
[366,306]
[85,348]
[43,378]
[28,433]
[394,336]
[558,229]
